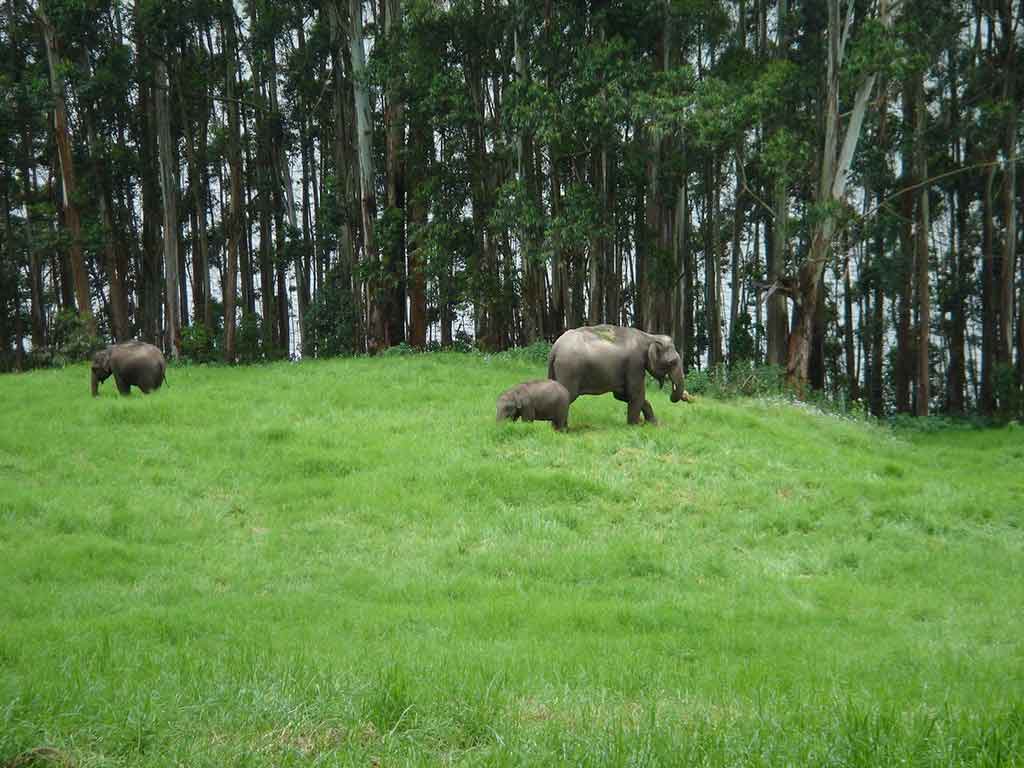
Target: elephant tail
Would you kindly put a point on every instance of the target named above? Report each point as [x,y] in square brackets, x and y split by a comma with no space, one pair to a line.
[551,367]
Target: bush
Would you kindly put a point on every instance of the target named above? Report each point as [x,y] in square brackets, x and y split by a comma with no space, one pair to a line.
[738,380]
[248,342]
[399,350]
[197,344]
[537,352]
[463,342]
[331,318]
[908,422]
[1007,394]
[71,340]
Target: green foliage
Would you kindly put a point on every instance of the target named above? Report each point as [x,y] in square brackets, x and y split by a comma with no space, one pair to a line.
[399,350]
[71,340]
[197,344]
[330,319]
[537,352]
[1007,392]
[908,423]
[741,379]
[742,344]
[342,562]
[249,342]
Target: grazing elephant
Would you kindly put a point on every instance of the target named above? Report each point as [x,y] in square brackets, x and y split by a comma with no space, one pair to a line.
[541,400]
[610,358]
[132,363]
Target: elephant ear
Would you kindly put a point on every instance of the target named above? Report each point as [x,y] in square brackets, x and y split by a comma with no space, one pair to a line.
[653,356]
[101,361]
[526,409]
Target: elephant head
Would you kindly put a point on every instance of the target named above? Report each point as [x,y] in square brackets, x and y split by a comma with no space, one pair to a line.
[100,370]
[512,405]
[662,361]
[508,407]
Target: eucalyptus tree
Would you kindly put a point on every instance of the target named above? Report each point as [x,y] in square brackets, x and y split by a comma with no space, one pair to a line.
[65,155]
[836,159]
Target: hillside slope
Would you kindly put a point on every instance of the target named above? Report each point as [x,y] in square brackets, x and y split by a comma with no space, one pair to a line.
[345,561]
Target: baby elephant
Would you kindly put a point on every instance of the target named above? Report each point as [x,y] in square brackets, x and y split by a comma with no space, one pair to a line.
[541,400]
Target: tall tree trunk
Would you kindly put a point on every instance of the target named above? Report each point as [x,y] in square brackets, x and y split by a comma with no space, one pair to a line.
[37,311]
[923,231]
[115,264]
[532,298]
[598,239]
[421,141]
[737,240]
[904,362]
[777,315]
[683,326]
[114,258]
[148,283]
[234,152]
[961,266]
[376,327]
[852,374]
[989,328]
[876,329]
[306,263]
[169,187]
[345,180]
[1009,27]
[195,153]
[62,136]
[394,119]
[556,316]
[831,188]
[712,304]
[647,240]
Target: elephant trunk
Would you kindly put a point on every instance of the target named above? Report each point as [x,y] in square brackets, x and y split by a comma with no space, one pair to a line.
[95,384]
[676,374]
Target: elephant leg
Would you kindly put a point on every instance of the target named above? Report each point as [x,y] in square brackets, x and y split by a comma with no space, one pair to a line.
[561,420]
[648,413]
[633,411]
[122,386]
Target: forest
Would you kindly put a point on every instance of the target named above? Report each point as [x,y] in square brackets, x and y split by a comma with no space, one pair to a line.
[823,186]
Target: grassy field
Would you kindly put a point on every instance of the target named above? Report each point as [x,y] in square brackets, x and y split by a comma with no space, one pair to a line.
[347,562]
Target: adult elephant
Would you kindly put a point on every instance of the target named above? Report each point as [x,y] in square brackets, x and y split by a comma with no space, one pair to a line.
[132,364]
[609,358]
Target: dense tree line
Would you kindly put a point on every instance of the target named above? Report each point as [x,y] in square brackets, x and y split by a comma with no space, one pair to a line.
[828,186]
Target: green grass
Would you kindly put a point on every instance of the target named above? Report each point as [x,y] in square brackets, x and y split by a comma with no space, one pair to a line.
[348,563]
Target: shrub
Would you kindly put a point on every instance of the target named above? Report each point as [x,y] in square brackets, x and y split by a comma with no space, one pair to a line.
[71,340]
[463,342]
[331,318]
[197,344]
[1007,394]
[248,341]
[537,352]
[398,350]
[738,380]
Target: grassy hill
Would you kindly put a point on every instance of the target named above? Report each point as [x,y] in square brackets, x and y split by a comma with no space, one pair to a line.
[348,562]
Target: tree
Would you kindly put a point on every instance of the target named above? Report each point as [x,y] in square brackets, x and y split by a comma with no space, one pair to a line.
[62,137]
[836,159]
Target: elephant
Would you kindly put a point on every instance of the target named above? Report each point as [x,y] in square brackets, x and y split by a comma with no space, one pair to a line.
[608,358]
[541,400]
[132,363]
